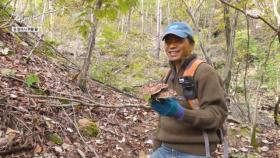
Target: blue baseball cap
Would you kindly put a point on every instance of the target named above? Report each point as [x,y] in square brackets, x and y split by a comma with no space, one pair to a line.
[180,29]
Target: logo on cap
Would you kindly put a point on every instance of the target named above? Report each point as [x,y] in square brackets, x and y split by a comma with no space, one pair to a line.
[174,26]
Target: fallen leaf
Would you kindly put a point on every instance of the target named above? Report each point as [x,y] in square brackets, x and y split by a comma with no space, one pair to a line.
[119,148]
[243,149]
[3,141]
[266,141]
[58,149]
[11,131]
[38,149]
[264,149]
[69,130]
[13,96]
[84,122]
[67,146]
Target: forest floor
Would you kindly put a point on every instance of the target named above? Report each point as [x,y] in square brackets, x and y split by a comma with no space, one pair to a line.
[31,116]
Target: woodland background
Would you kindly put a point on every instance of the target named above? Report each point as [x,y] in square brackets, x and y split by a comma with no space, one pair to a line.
[70,90]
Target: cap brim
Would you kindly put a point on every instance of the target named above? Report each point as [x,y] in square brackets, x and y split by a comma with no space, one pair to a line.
[176,33]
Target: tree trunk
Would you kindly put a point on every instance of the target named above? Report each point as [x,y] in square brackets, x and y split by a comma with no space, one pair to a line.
[230,37]
[128,23]
[51,17]
[158,28]
[151,22]
[15,6]
[168,13]
[87,61]
[277,15]
[43,16]
[142,17]
[276,110]
[246,70]
[122,25]
[201,45]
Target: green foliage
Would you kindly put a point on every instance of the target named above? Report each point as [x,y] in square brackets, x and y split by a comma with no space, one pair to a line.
[38,91]
[241,44]
[147,97]
[108,41]
[90,130]
[109,11]
[243,131]
[43,50]
[124,64]
[55,138]
[31,79]
[273,68]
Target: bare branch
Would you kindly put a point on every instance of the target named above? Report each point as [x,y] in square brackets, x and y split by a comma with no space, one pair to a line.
[74,122]
[199,5]
[201,45]
[36,45]
[93,103]
[250,15]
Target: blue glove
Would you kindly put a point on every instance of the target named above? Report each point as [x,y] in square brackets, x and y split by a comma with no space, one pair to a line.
[169,107]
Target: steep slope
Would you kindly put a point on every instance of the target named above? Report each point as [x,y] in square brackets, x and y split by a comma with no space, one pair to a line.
[41,119]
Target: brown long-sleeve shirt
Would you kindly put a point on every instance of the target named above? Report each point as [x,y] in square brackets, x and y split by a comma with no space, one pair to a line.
[186,135]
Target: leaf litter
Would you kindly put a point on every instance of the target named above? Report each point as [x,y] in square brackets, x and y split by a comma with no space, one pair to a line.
[27,122]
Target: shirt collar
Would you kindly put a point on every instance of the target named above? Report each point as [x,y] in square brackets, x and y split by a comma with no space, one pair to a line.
[184,63]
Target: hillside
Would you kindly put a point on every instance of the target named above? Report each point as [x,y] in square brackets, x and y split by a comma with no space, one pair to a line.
[30,114]
[45,112]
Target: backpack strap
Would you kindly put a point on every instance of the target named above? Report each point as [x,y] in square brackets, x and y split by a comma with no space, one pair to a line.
[225,142]
[165,78]
[191,68]
[190,71]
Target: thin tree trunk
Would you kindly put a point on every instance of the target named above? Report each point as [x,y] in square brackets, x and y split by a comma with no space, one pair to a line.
[43,16]
[230,37]
[201,45]
[128,23]
[276,110]
[158,28]
[122,25]
[87,61]
[168,13]
[142,17]
[51,17]
[151,22]
[15,6]
[23,7]
[277,15]
[262,69]
[246,71]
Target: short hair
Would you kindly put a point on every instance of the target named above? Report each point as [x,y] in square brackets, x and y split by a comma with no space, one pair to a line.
[191,40]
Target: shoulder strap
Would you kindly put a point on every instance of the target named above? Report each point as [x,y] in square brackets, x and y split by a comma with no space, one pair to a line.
[191,68]
[165,78]
[190,71]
